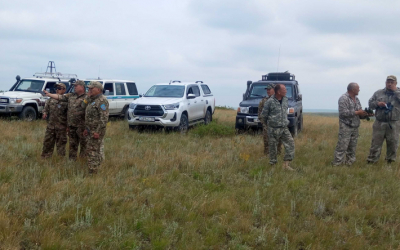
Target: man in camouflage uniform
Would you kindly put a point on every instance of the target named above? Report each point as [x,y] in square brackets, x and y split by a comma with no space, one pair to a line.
[76,118]
[350,111]
[56,132]
[96,118]
[270,92]
[274,114]
[386,102]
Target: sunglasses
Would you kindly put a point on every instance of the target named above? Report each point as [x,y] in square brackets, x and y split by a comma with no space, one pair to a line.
[59,88]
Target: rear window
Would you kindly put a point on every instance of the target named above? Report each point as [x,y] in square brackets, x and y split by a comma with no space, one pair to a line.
[132,88]
[206,89]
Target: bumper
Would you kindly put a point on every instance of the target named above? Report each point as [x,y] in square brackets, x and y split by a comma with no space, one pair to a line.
[171,118]
[245,122]
[10,108]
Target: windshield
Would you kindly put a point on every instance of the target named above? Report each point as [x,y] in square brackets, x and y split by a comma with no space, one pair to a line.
[165,91]
[260,91]
[30,85]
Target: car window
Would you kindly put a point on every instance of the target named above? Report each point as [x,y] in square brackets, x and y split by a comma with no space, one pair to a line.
[132,88]
[30,85]
[51,87]
[109,86]
[120,88]
[165,91]
[290,91]
[190,90]
[196,91]
[206,89]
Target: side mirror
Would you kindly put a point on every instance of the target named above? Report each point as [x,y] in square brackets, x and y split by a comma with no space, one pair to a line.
[107,92]
[191,96]
[141,95]
[299,97]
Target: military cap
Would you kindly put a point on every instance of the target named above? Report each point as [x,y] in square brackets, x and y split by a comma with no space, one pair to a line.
[61,85]
[391,77]
[270,86]
[93,84]
[79,82]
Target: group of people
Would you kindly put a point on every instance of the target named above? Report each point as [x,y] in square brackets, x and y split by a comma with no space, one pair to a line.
[385,102]
[80,115]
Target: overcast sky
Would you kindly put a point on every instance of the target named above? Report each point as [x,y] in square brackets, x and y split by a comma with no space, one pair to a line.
[326,44]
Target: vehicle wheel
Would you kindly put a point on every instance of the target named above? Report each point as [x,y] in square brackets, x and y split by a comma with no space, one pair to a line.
[126,113]
[183,125]
[301,123]
[208,117]
[28,114]
[293,130]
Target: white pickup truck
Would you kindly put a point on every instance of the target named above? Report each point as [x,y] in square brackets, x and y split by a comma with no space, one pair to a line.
[175,105]
[25,99]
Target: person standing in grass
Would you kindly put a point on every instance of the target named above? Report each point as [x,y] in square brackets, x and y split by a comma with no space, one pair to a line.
[76,118]
[274,114]
[386,102]
[96,118]
[55,112]
[270,92]
[350,111]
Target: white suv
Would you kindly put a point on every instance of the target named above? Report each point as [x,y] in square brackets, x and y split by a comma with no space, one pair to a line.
[175,105]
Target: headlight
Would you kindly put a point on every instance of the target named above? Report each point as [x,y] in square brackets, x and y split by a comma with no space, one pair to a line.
[15,100]
[244,110]
[290,111]
[132,105]
[171,106]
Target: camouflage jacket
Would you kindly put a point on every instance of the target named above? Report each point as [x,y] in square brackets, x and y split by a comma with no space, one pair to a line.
[96,116]
[56,112]
[387,96]
[274,114]
[261,106]
[347,109]
[76,113]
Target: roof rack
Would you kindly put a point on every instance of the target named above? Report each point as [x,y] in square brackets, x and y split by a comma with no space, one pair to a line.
[278,76]
[50,74]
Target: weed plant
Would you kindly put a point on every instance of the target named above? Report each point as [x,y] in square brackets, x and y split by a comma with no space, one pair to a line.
[208,189]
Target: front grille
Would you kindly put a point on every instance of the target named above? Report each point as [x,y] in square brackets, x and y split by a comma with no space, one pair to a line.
[253,110]
[2,107]
[3,100]
[155,110]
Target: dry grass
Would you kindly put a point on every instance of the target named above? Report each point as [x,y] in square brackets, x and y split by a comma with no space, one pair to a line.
[172,191]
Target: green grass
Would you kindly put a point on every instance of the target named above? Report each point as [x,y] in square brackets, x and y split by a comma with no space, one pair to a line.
[209,189]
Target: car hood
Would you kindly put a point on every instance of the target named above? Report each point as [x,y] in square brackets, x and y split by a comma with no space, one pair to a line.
[256,102]
[156,100]
[20,94]
[250,102]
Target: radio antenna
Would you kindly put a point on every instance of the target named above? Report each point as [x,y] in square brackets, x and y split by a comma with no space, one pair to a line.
[279,55]
[98,76]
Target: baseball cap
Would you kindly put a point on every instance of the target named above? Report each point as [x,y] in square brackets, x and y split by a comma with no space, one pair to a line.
[79,82]
[61,85]
[270,86]
[391,77]
[93,84]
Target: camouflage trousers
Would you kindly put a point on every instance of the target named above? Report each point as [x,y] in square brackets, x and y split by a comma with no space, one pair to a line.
[95,152]
[280,134]
[54,136]
[380,132]
[76,138]
[346,146]
[266,143]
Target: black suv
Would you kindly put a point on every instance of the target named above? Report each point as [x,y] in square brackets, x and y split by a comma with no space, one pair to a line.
[247,114]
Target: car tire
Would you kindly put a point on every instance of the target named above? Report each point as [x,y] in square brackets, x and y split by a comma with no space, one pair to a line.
[293,130]
[207,117]
[301,123]
[28,114]
[183,125]
[126,113]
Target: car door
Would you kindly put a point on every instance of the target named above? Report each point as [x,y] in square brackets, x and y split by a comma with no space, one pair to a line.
[194,104]
[120,96]
[112,105]
[198,102]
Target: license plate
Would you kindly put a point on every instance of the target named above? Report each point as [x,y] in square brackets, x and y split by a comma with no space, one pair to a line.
[146,119]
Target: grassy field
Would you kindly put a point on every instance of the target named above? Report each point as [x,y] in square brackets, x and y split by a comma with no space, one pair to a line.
[209,189]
